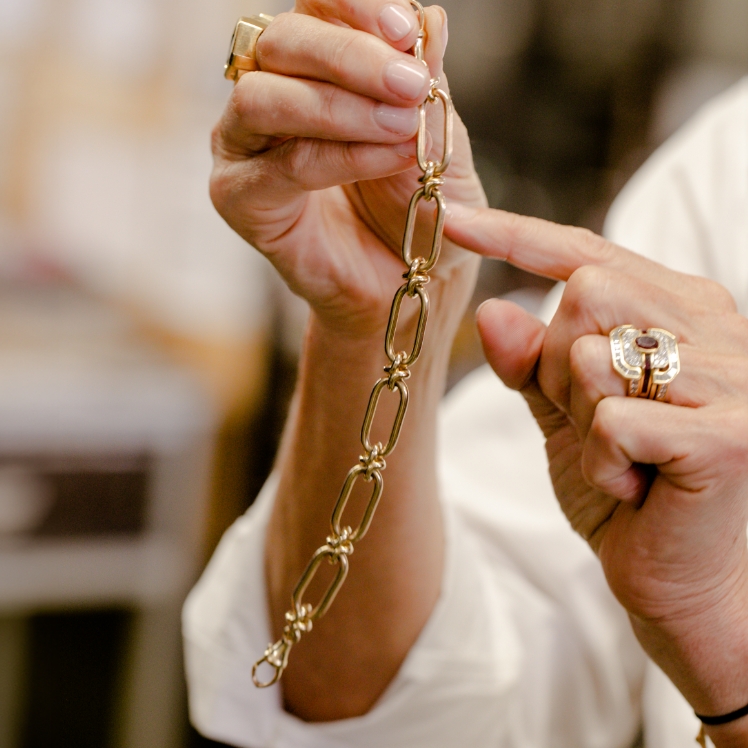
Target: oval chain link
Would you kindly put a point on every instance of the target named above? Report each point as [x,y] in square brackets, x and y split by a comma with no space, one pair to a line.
[404,361]
[339,545]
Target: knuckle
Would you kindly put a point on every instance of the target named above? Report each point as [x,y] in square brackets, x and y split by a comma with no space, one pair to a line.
[724,454]
[240,101]
[514,228]
[584,362]
[251,100]
[592,245]
[519,231]
[731,430]
[298,160]
[217,187]
[329,100]
[269,43]
[344,159]
[607,419]
[585,284]
[307,159]
[216,140]
[741,333]
[340,54]
[725,329]
[719,296]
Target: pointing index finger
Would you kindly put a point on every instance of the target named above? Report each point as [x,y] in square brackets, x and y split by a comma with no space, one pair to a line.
[535,245]
[555,251]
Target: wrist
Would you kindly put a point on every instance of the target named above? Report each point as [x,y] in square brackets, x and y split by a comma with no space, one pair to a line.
[706,656]
[449,290]
[731,735]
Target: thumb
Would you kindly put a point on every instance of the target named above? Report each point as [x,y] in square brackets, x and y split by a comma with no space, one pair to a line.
[512,341]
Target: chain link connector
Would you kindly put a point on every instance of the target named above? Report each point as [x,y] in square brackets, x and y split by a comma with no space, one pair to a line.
[373,461]
[397,371]
[276,656]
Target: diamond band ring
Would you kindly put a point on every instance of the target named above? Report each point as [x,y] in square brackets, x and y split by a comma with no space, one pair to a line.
[242,52]
[649,359]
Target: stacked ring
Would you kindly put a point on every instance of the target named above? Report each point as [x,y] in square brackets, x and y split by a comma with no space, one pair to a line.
[649,359]
[242,51]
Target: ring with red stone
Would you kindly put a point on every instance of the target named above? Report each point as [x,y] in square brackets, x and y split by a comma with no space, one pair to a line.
[648,359]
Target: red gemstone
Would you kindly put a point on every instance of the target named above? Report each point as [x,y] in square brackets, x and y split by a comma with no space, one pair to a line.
[647,343]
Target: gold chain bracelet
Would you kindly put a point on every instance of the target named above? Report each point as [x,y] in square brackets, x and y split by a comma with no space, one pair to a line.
[340,543]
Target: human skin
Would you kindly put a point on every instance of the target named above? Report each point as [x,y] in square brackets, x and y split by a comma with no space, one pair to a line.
[659,490]
[282,149]
[306,171]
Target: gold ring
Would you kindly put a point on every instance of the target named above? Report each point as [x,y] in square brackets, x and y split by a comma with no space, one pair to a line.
[243,47]
[649,359]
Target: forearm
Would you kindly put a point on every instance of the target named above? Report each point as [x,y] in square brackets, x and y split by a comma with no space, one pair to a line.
[343,666]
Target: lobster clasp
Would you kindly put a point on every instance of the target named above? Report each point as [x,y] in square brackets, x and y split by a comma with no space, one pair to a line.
[276,656]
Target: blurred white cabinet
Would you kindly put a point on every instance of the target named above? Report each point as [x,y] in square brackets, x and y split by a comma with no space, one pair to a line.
[104,464]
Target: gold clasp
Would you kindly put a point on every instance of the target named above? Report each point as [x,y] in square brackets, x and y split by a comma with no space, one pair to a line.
[276,655]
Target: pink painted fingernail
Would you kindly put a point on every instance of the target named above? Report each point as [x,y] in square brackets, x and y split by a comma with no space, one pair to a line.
[396,22]
[483,304]
[406,149]
[406,79]
[396,119]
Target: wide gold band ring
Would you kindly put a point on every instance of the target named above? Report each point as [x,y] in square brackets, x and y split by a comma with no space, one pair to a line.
[648,359]
[242,52]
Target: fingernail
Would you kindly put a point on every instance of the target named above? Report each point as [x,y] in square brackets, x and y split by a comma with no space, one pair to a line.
[406,149]
[406,79]
[445,33]
[481,305]
[460,211]
[396,119]
[396,23]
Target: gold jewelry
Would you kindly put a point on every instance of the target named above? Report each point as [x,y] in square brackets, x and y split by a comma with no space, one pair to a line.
[701,737]
[649,359]
[340,543]
[243,46]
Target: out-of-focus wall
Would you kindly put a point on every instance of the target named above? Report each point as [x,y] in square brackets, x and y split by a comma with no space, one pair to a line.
[106,110]
[105,114]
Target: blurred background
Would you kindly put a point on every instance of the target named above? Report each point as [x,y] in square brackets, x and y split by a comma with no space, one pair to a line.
[147,354]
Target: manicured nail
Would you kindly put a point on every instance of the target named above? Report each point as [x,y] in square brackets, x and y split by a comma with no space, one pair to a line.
[396,22]
[406,79]
[460,211]
[445,33]
[406,149]
[396,119]
[481,305]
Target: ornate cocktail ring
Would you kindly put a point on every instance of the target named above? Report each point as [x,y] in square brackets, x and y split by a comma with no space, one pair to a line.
[242,52]
[647,358]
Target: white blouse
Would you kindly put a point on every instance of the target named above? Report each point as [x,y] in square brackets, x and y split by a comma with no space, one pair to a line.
[526,647]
